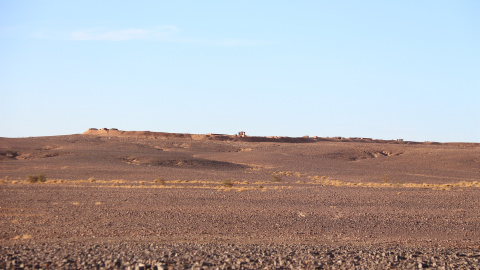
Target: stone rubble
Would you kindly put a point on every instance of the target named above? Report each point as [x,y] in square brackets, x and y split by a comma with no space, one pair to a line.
[136,256]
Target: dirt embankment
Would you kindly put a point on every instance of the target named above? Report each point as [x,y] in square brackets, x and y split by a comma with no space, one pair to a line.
[244,138]
[208,136]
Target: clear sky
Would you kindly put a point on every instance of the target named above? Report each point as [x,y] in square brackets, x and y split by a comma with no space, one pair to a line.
[380,69]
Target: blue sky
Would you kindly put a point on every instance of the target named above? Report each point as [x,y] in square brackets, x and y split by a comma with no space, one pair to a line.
[380,69]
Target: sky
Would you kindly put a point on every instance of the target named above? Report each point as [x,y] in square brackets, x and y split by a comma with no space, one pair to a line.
[376,69]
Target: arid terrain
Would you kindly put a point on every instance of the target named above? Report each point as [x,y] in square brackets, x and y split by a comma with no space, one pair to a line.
[146,200]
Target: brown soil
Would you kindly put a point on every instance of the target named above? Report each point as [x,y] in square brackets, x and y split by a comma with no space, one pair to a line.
[112,187]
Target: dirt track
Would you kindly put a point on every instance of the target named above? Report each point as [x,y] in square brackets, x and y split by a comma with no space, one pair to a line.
[353,198]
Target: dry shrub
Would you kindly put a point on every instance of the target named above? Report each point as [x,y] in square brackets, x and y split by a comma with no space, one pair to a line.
[227,183]
[36,178]
[385,178]
[159,180]
[276,178]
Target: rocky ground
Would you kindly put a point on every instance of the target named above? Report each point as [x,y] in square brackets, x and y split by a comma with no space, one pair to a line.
[136,203]
[231,256]
[88,225]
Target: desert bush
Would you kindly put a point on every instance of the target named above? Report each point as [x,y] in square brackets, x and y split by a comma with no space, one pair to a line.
[385,178]
[276,178]
[227,183]
[159,180]
[36,178]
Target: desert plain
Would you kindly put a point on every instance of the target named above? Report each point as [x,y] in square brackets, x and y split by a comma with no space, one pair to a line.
[116,199]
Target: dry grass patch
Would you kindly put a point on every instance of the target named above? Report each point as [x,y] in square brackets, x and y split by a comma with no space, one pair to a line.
[338,183]
[23,237]
[91,180]
[54,181]
[290,173]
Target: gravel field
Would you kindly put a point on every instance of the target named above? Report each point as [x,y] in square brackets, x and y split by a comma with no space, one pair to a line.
[230,256]
[87,227]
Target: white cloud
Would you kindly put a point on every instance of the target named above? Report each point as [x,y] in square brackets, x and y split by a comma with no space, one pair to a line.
[162,32]
[165,33]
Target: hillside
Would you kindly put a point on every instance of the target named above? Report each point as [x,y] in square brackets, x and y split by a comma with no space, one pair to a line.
[118,199]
